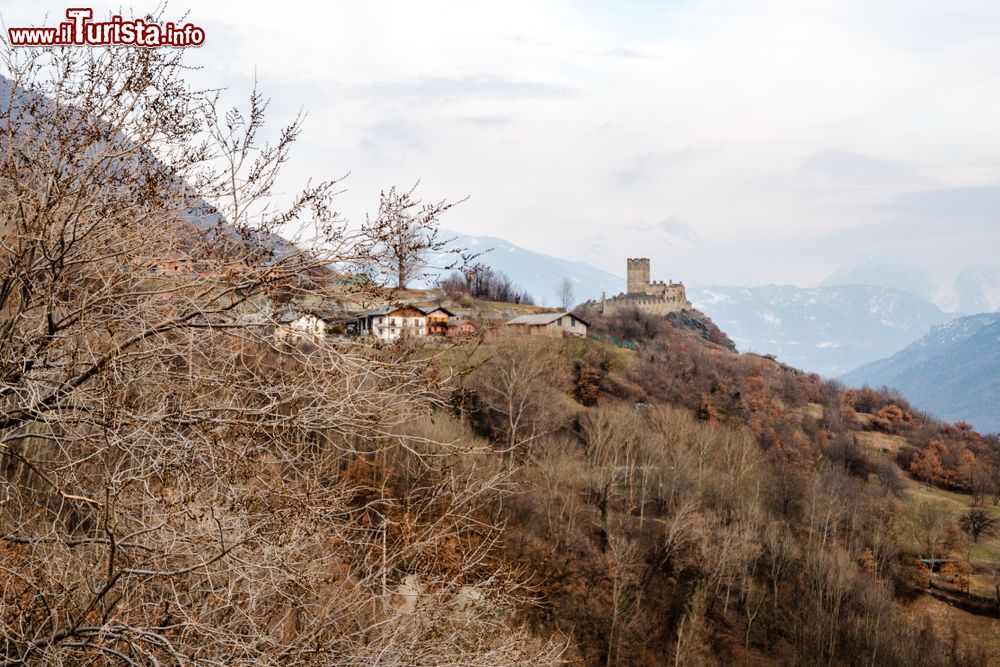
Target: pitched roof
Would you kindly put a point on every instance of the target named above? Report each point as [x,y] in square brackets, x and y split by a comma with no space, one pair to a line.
[291,315]
[536,320]
[427,310]
[542,319]
[391,309]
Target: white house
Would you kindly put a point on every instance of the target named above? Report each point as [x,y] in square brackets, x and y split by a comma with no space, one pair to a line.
[295,326]
[391,323]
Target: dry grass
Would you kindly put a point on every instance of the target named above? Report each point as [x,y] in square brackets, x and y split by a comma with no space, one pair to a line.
[880,442]
[813,410]
[987,551]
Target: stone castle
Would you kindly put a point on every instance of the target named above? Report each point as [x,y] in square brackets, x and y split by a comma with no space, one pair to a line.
[655,298]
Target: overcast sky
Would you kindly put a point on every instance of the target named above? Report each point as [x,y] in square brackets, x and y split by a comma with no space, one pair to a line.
[734,142]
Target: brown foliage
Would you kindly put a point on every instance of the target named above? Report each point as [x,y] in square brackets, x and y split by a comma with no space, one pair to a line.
[176,487]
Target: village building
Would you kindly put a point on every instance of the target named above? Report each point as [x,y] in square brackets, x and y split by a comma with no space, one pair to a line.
[437,321]
[344,325]
[462,327]
[390,323]
[652,297]
[294,326]
[169,267]
[548,324]
[189,268]
[387,324]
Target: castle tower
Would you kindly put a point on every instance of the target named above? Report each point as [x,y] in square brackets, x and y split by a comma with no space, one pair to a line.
[637,275]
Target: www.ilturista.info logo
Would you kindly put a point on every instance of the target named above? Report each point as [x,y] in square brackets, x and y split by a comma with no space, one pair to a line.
[79,30]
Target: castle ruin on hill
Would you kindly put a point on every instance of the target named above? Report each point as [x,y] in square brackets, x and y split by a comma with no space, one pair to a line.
[653,297]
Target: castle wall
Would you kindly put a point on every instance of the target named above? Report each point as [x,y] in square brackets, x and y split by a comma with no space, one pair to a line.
[651,305]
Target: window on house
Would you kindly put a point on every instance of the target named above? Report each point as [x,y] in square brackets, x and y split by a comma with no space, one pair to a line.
[572,321]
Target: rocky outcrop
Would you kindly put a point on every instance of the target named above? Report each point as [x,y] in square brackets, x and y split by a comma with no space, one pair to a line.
[702,326]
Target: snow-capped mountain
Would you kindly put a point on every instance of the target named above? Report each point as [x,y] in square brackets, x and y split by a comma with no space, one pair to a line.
[828,330]
[534,272]
[953,371]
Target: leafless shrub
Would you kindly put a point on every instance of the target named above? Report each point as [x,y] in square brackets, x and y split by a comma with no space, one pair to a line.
[175,488]
[406,231]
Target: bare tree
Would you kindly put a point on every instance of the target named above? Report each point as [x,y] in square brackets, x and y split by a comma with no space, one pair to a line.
[977,522]
[609,434]
[928,523]
[483,282]
[692,631]
[779,551]
[565,295]
[454,285]
[405,231]
[556,467]
[516,385]
[176,489]
[624,558]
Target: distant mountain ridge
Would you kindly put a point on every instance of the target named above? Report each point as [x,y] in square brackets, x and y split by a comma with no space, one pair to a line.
[953,372]
[827,330]
[965,291]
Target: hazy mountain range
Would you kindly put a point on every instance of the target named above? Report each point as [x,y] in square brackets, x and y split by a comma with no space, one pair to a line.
[966,291]
[953,371]
[828,330]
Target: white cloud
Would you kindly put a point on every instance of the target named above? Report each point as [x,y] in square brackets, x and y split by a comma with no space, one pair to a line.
[764,126]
